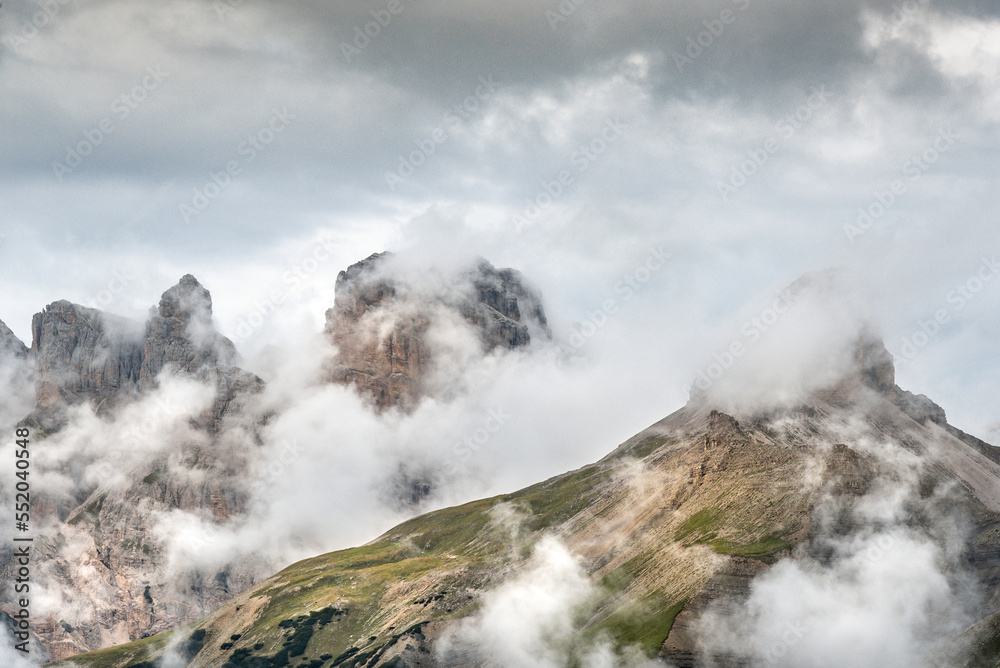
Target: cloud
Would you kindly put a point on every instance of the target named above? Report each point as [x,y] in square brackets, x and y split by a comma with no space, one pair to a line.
[530,621]
[12,657]
[882,581]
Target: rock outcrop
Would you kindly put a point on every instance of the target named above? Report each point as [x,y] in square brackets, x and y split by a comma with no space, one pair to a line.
[380,322]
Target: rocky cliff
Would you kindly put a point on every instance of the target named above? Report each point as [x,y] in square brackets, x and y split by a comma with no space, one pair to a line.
[99,553]
[380,323]
[85,355]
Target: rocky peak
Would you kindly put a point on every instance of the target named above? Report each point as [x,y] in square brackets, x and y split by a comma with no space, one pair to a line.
[10,344]
[188,300]
[503,306]
[381,316]
[181,333]
[83,354]
[876,370]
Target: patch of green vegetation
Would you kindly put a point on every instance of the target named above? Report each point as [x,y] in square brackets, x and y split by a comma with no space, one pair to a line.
[705,522]
[356,580]
[644,624]
[130,655]
[650,445]
[557,500]
[764,549]
[299,631]
[449,531]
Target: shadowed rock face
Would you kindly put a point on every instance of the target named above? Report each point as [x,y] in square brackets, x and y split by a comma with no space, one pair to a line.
[83,354]
[380,324]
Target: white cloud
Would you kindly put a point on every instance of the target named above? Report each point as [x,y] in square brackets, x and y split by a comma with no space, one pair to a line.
[530,620]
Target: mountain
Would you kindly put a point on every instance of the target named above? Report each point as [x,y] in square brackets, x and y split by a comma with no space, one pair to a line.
[85,355]
[381,320]
[146,428]
[97,553]
[707,539]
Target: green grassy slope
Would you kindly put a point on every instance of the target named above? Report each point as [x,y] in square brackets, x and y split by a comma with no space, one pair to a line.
[651,525]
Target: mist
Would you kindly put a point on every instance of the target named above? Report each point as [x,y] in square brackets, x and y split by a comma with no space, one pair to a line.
[530,621]
[882,581]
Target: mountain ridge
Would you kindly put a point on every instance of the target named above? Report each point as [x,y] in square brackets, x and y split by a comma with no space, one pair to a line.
[674,524]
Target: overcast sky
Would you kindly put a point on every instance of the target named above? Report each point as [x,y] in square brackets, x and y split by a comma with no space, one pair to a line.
[264,146]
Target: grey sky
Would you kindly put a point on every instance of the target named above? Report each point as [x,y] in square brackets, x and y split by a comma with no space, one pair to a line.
[288,138]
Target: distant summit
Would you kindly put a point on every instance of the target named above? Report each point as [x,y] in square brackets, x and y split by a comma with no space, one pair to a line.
[382,318]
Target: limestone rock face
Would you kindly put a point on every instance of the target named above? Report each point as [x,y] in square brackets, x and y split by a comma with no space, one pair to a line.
[380,323]
[181,333]
[83,355]
[101,551]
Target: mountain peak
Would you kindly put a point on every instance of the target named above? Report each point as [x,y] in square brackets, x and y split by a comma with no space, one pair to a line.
[185,300]
[384,307]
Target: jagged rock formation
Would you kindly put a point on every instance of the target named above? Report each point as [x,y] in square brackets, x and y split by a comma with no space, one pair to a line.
[83,354]
[379,323]
[676,522]
[99,552]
